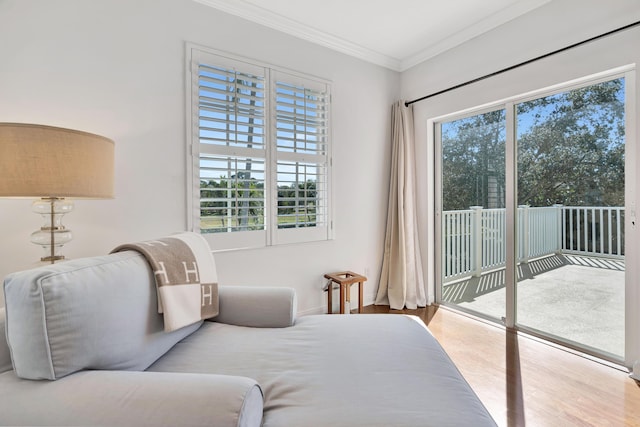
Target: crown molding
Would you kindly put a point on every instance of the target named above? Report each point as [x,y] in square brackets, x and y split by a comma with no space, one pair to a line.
[502,17]
[289,26]
[278,22]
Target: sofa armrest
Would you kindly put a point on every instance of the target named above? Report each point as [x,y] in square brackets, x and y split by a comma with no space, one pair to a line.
[254,306]
[129,398]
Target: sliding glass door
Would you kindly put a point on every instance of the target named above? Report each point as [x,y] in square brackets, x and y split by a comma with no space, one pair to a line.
[530,208]
[570,174]
[473,208]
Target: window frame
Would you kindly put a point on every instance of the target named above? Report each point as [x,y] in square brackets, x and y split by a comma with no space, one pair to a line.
[272,234]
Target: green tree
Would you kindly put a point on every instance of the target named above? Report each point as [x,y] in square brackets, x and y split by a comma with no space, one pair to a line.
[473,161]
[297,199]
[229,198]
[570,151]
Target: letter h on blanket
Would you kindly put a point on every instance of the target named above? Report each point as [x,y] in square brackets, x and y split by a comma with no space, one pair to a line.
[186,277]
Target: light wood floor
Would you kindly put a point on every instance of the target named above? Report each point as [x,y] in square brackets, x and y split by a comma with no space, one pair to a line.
[524,381]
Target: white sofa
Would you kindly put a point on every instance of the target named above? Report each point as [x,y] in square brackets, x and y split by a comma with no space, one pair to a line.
[87,347]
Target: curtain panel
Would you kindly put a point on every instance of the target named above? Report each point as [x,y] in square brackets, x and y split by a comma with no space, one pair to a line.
[401,280]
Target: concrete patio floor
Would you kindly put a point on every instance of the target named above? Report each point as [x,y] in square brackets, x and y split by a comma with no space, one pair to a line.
[576,298]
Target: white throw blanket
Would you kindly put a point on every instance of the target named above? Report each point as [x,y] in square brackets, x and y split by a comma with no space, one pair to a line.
[186,277]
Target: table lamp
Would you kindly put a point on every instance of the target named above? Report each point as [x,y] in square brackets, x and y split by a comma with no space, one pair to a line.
[54,164]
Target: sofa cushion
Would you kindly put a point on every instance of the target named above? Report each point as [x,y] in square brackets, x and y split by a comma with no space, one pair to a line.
[91,313]
[5,356]
[339,371]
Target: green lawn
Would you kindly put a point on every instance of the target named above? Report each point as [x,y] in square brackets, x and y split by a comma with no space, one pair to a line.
[221,222]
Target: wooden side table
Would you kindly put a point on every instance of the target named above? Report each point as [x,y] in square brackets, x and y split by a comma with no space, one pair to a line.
[344,279]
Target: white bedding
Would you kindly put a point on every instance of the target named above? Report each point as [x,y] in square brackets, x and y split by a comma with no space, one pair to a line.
[349,370]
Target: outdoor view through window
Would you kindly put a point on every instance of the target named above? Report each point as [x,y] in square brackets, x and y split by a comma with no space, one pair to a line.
[570,149]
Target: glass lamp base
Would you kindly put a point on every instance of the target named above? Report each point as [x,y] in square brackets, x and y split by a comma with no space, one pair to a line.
[52,235]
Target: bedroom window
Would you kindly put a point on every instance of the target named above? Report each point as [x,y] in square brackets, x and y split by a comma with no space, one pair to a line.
[259,153]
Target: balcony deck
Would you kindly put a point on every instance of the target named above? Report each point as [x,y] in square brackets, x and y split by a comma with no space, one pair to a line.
[574,297]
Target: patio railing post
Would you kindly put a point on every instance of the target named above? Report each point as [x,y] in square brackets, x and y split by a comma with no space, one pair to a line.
[524,232]
[560,232]
[477,240]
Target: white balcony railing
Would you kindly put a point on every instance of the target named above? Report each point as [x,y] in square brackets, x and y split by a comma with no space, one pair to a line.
[474,240]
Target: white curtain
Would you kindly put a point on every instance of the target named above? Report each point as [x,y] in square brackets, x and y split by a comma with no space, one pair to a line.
[401,280]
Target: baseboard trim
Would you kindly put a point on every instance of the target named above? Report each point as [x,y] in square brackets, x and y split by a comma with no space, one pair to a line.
[368,300]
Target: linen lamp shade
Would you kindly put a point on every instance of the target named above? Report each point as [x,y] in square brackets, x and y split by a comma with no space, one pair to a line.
[46,161]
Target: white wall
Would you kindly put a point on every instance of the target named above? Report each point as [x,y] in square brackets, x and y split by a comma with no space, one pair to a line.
[116,68]
[554,26]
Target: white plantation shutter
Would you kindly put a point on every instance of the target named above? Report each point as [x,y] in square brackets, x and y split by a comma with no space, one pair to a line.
[231,108]
[228,134]
[302,157]
[259,153]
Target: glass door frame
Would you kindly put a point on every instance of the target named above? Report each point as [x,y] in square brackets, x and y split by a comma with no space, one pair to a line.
[632,270]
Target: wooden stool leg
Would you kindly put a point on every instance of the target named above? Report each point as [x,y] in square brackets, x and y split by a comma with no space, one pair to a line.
[347,297]
[329,302]
[360,293]
[341,298]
